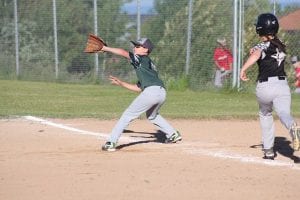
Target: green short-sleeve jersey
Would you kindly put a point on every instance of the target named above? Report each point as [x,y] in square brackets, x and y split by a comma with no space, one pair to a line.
[145,70]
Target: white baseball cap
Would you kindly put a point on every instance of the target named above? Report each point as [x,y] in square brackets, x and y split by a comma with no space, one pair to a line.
[221,41]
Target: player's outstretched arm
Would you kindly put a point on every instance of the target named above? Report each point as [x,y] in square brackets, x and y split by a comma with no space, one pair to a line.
[132,87]
[117,51]
[250,62]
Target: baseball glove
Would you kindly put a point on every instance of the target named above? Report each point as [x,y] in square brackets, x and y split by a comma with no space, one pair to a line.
[94,44]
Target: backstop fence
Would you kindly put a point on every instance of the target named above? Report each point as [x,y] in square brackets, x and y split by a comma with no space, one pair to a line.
[43,40]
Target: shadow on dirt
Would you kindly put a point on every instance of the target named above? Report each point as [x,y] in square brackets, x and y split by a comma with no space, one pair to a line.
[283,147]
[158,137]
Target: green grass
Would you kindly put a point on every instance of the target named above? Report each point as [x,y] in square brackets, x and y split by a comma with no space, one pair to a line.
[19,98]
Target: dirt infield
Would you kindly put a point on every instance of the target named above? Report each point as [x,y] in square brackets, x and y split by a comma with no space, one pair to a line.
[61,159]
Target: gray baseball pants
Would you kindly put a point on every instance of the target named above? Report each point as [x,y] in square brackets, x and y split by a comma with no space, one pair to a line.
[276,94]
[220,77]
[150,100]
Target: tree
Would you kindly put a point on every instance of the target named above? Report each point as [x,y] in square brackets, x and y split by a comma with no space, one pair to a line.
[211,19]
[74,22]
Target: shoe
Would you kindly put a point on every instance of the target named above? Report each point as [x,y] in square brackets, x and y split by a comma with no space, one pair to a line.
[295,132]
[109,146]
[269,154]
[175,137]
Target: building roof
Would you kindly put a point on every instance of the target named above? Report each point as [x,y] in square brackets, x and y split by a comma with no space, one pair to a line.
[291,21]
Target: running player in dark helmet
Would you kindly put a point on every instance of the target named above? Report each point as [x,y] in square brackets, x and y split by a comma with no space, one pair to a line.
[272,90]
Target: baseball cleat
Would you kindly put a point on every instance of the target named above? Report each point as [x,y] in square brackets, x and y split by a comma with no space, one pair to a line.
[295,132]
[175,137]
[109,146]
[269,154]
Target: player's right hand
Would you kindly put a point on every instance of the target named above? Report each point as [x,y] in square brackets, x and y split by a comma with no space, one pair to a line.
[252,50]
[243,76]
[115,80]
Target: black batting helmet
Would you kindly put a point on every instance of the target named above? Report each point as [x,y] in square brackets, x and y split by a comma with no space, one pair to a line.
[267,24]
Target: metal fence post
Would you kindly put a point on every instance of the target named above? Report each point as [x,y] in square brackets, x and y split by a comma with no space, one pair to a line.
[239,45]
[16,37]
[55,38]
[96,33]
[235,43]
[189,36]
[138,19]
[274,7]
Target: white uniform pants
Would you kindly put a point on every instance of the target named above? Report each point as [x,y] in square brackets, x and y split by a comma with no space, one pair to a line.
[220,77]
[276,94]
[149,101]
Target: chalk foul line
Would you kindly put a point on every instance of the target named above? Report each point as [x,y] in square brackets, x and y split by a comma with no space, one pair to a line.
[72,129]
[187,148]
[223,154]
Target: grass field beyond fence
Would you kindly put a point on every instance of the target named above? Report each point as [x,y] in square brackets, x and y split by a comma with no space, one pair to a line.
[55,100]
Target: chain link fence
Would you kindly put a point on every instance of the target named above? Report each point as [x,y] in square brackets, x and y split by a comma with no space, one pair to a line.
[43,40]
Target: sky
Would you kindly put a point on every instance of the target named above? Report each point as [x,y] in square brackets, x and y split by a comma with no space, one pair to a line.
[147,5]
[285,2]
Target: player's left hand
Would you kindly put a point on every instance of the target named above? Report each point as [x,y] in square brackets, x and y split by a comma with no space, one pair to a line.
[94,44]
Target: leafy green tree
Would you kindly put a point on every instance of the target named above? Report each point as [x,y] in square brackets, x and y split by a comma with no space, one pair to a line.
[165,11]
[35,52]
[75,19]
[252,9]
[210,20]
[7,47]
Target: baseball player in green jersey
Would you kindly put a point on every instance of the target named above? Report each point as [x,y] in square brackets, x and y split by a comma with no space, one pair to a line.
[152,93]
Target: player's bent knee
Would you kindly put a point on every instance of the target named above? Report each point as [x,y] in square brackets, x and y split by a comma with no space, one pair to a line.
[151,118]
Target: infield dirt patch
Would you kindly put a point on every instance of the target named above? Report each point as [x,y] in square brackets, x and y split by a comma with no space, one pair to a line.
[217,159]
